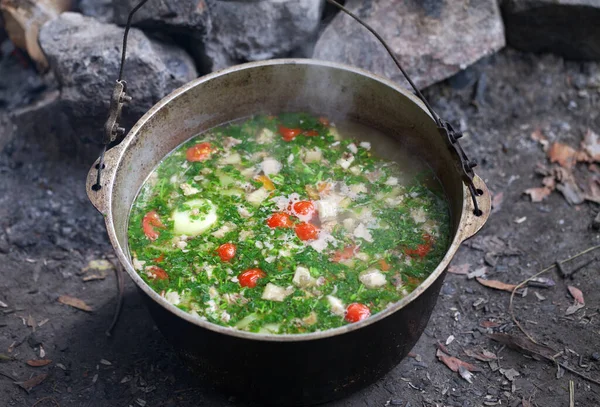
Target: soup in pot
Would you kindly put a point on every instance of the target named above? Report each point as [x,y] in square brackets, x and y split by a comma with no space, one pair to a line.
[288,224]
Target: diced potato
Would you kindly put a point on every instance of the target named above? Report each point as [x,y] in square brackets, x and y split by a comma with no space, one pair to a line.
[258,196]
[269,329]
[311,319]
[274,292]
[191,224]
[372,278]
[302,278]
[265,136]
[270,166]
[231,159]
[188,189]
[362,232]
[335,133]
[327,209]
[418,215]
[337,306]
[173,297]
[313,156]
[246,321]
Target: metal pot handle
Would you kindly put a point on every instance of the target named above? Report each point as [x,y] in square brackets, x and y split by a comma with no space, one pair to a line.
[480,196]
[98,190]
[472,223]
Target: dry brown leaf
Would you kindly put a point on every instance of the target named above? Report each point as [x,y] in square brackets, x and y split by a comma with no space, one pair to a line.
[549,182]
[524,345]
[538,194]
[538,136]
[489,324]
[484,355]
[92,277]
[591,144]
[31,383]
[577,294]
[497,200]
[38,362]
[498,285]
[74,302]
[562,154]
[462,269]
[453,363]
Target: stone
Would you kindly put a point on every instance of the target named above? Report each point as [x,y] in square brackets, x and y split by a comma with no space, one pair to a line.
[101,10]
[185,16]
[569,28]
[84,56]
[256,30]
[433,39]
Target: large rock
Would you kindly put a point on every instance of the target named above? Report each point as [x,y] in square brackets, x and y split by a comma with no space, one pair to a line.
[84,55]
[570,28]
[186,16]
[259,29]
[101,10]
[433,39]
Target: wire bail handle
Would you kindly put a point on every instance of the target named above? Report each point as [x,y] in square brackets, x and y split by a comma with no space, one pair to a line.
[119,98]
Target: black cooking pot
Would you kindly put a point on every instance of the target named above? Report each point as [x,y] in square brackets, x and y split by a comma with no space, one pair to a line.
[304,368]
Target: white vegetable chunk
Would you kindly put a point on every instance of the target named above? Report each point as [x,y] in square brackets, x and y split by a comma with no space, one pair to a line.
[391,181]
[231,159]
[362,232]
[173,297]
[274,292]
[327,209]
[366,145]
[188,189]
[266,136]
[346,161]
[258,196]
[271,166]
[337,306]
[418,215]
[302,278]
[313,156]
[372,278]
[223,230]
[197,220]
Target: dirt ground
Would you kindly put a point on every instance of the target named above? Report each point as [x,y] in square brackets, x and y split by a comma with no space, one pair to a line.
[49,232]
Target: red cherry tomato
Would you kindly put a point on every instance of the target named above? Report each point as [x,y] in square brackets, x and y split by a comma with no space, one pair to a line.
[311,133]
[156,273]
[280,220]
[226,251]
[423,249]
[160,258]
[199,152]
[289,134]
[303,208]
[357,312]
[307,231]
[151,221]
[249,277]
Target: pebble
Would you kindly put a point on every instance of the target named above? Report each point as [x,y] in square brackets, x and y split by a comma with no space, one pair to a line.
[596,356]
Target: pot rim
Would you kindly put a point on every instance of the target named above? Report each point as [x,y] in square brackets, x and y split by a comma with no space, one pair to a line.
[468,224]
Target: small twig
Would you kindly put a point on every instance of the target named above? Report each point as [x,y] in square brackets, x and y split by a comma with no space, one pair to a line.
[575,372]
[56,403]
[121,289]
[522,283]
[8,376]
[571,393]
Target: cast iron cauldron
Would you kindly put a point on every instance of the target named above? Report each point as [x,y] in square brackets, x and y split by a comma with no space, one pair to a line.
[286,369]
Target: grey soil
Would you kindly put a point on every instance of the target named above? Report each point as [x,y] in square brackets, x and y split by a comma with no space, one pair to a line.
[49,231]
